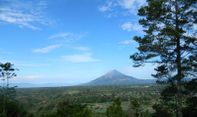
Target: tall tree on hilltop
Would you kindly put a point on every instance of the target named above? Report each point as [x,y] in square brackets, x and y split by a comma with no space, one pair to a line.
[170,41]
[9,106]
[7,71]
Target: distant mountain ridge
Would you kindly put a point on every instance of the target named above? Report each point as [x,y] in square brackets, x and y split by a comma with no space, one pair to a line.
[115,77]
[32,85]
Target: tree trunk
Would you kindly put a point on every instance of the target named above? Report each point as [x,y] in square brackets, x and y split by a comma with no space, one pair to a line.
[179,66]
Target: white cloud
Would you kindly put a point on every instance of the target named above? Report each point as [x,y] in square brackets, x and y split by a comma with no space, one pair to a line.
[103,8]
[129,26]
[66,36]
[127,42]
[129,6]
[23,13]
[80,58]
[46,49]
[106,7]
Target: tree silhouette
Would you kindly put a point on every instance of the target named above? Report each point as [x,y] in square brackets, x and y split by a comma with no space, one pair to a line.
[170,41]
[7,72]
[9,106]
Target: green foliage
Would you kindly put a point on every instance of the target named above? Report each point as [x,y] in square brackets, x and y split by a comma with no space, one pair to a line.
[191,103]
[136,106]
[161,110]
[43,102]
[170,41]
[115,110]
[68,109]
[11,108]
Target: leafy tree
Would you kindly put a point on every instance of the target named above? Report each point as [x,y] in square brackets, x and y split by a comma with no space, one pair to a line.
[136,105]
[170,42]
[115,110]
[68,109]
[136,108]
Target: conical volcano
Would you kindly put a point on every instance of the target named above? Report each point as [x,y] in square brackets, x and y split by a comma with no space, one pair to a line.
[115,77]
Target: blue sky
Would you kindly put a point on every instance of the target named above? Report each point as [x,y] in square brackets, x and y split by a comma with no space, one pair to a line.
[69,41]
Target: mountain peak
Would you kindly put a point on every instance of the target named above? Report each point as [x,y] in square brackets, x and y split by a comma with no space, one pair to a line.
[115,77]
[113,72]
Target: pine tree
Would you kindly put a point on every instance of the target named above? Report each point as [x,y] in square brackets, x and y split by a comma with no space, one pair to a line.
[170,41]
[7,72]
[9,107]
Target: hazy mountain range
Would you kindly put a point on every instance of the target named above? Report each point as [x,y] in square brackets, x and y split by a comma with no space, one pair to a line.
[34,85]
[113,77]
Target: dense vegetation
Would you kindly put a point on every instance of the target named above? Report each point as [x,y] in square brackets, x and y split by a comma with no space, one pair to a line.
[95,100]
[81,101]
